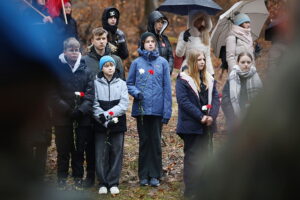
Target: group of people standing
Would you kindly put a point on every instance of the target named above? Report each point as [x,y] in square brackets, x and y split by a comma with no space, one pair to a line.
[90,102]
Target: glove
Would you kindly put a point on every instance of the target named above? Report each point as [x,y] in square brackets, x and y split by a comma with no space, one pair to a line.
[76,114]
[186,35]
[140,96]
[165,121]
[102,118]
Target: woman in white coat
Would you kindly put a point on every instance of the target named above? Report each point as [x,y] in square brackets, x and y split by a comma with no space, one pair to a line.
[239,40]
[196,37]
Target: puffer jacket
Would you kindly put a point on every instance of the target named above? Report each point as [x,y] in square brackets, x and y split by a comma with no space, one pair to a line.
[189,108]
[62,99]
[110,96]
[164,45]
[155,88]
[92,62]
[236,44]
[117,36]
[195,43]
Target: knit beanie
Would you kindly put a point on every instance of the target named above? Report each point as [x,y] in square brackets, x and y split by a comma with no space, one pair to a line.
[104,60]
[240,19]
[144,36]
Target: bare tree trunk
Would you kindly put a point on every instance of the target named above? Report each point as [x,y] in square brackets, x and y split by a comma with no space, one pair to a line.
[150,5]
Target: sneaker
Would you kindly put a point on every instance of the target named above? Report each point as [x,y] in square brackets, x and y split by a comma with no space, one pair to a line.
[78,184]
[114,190]
[102,190]
[89,182]
[61,183]
[154,182]
[144,182]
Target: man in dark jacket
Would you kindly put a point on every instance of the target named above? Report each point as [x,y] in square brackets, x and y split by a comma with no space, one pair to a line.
[71,113]
[110,21]
[99,48]
[157,24]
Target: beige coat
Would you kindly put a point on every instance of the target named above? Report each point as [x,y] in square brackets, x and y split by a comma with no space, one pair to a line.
[236,43]
[195,43]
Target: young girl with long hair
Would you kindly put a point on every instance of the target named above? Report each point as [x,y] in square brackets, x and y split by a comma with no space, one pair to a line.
[198,107]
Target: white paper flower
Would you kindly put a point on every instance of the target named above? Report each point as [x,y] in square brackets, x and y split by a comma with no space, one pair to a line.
[115,120]
[141,71]
[77,93]
[204,107]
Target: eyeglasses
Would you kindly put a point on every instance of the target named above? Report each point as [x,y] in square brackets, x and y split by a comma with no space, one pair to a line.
[73,50]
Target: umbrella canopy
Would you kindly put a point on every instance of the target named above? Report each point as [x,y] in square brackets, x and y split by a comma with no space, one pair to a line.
[184,7]
[255,9]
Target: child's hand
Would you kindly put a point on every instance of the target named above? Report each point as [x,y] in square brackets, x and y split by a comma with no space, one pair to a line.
[102,118]
[47,19]
[204,119]
[209,121]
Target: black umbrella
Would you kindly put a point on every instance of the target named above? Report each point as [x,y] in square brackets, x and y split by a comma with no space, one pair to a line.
[184,7]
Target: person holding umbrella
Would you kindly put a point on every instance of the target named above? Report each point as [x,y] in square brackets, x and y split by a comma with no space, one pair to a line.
[239,39]
[196,38]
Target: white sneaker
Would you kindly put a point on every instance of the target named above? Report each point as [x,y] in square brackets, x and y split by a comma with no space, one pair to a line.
[114,190]
[103,190]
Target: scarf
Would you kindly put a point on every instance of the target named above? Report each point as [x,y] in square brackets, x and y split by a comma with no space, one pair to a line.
[253,85]
[148,55]
[243,34]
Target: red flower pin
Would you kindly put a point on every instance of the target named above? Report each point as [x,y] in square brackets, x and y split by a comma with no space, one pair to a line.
[111,113]
[151,71]
[209,106]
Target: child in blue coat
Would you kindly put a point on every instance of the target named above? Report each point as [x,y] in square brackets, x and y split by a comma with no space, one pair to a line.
[149,83]
[198,107]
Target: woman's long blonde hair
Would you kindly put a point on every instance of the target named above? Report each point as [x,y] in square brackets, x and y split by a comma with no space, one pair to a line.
[193,70]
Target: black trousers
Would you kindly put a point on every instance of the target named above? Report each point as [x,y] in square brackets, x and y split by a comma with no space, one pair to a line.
[109,157]
[150,153]
[90,154]
[70,146]
[196,148]
[39,158]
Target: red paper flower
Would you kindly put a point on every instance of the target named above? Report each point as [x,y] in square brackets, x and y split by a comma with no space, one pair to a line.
[79,94]
[220,95]
[111,113]
[209,106]
[151,71]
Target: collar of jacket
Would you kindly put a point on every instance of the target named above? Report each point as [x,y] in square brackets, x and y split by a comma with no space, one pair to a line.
[189,80]
[148,55]
[77,63]
[96,56]
[102,79]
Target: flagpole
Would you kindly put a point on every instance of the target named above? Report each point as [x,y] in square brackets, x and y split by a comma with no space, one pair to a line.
[39,12]
[64,10]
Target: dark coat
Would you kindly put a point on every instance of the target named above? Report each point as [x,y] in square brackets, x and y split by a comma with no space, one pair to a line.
[116,36]
[63,98]
[189,108]
[164,45]
[66,30]
[92,62]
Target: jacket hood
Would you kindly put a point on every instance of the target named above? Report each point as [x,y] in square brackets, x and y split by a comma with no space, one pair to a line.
[62,58]
[106,15]
[193,17]
[101,77]
[153,17]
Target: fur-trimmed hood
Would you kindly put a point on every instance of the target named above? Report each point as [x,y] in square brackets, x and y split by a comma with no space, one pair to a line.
[193,17]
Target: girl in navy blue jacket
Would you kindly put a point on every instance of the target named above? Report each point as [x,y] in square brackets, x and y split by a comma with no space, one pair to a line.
[149,83]
[198,107]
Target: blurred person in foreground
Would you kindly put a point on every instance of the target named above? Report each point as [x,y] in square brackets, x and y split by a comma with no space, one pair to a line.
[26,75]
[261,161]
